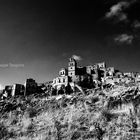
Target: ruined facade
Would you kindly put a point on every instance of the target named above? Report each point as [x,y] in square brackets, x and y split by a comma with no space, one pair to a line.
[76,74]
[13,90]
[30,86]
[18,89]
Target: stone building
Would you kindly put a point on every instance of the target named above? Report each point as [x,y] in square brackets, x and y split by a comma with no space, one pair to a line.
[101,66]
[18,89]
[138,77]
[76,74]
[110,71]
[13,90]
[7,91]
[30,86]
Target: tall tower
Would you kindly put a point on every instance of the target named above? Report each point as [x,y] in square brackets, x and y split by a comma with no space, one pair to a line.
[72,66]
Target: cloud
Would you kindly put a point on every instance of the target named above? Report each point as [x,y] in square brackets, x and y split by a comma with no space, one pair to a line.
[136,24]
[124,38]
[117,11]
[76,57]
[121,13]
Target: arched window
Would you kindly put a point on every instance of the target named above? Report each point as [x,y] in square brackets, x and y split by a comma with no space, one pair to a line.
[59,80]
[71,64]
[64,80]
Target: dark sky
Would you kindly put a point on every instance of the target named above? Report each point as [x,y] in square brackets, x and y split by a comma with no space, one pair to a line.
[42,35]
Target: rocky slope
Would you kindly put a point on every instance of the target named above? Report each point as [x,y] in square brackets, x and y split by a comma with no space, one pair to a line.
[111,113]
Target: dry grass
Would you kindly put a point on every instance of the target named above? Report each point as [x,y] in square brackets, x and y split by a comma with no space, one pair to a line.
[85,118]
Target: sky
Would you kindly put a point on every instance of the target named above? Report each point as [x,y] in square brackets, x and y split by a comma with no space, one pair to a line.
[38,37]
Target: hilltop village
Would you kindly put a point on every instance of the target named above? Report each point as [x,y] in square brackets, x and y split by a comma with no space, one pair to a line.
[91,102]
[74,78]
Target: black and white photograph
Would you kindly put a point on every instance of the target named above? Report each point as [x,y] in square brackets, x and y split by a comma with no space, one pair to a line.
[69,70]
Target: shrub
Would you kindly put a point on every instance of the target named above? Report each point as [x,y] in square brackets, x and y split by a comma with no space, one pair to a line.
[30,128]
[107,115]
[3,131]
[32,112]
[76,135]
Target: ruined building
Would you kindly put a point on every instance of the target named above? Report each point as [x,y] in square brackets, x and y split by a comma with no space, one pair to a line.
[30,86]
[75,74]
[13,90]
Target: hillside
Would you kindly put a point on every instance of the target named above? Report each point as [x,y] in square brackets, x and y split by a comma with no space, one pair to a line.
[101,114]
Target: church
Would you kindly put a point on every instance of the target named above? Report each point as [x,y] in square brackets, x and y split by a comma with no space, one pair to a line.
[75,74]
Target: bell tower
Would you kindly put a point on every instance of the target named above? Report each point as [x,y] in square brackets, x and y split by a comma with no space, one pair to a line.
[72,66]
